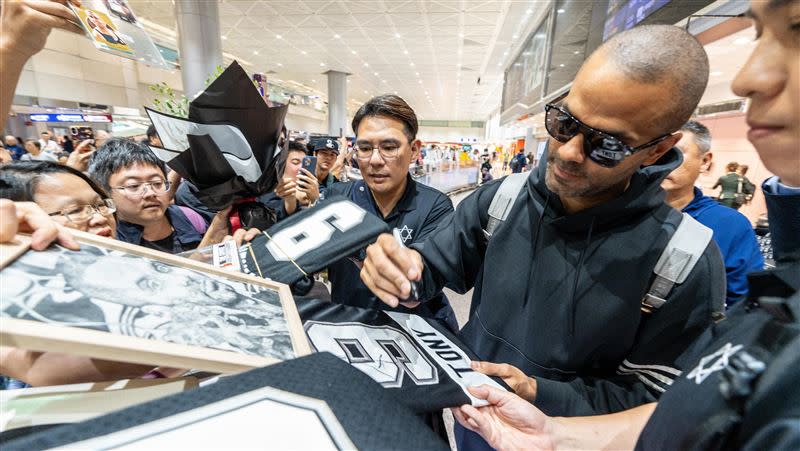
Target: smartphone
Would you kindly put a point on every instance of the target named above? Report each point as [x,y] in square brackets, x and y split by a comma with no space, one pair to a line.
[310,164]
[82,133]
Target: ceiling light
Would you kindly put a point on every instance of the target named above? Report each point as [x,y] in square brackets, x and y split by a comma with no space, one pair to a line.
[375,74]
[416,73]
[420,81]
[515,36]
[529,11]
[461,35]
[313,81]
[560,65]
[303,52]
[405,52]
[412,64]
[353,52]
[255,52]
[336,36]
[561,11]
[224,37]
[280,65]
[365,91]
[397,35]
[366,64]
[577,52]
[321,64]
[277,36]
[395,93]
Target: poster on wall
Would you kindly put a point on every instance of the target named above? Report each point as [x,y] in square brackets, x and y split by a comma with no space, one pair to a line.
[113,27]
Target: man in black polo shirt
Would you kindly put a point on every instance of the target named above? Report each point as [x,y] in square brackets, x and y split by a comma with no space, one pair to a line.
[386,144]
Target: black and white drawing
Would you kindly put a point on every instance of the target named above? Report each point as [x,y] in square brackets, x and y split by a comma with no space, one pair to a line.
[129,295]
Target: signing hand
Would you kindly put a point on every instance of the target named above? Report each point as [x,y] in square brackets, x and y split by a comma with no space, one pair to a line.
[389,269]
[522,385]
[508,422]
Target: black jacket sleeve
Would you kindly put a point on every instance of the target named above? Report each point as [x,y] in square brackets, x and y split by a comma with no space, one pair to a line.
[784,216]
[453,253]
[655,359]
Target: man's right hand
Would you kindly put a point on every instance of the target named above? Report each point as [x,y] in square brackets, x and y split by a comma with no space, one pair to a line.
[389,269]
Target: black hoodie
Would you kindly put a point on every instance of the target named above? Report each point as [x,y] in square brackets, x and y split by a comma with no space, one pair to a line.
[559,295]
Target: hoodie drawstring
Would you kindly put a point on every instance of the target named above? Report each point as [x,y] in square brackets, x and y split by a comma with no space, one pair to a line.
[573,300]
[535,243]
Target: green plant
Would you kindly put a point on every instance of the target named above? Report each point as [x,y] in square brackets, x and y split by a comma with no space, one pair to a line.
[167,101]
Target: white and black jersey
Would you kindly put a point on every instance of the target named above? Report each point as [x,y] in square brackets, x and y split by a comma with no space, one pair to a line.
[310,240]
[416,358]
[314,402]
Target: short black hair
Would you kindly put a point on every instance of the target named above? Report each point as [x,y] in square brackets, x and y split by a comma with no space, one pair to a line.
[21,179]
[151,132]
[662,54]
[117,154]
[391,106]
[295,146]
[35,142]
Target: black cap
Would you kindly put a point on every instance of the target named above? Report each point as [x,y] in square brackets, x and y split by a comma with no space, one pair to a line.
[331,144]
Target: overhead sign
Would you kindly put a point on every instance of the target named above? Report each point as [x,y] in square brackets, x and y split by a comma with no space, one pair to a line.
[68,117]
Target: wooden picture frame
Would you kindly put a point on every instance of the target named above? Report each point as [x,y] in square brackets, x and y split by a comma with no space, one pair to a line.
[238,288]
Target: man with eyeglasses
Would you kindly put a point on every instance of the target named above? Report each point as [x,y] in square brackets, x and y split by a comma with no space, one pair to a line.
[559,284]
[137,182]
[386,144]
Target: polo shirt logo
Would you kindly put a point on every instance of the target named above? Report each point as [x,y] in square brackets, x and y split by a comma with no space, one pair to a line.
[406,233]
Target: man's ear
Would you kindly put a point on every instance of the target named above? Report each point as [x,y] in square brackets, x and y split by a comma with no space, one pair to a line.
[705,165]
[661,148]
[415,146]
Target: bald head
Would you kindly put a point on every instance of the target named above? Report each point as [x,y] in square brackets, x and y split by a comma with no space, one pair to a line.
[664,55]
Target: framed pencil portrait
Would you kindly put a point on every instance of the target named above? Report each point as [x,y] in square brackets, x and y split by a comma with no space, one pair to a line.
[115,301]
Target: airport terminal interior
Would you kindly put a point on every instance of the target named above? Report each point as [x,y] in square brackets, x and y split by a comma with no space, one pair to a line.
[300,224]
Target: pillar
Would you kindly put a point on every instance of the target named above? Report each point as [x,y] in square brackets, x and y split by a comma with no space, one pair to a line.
[199,42]
[337,103]
[529,141]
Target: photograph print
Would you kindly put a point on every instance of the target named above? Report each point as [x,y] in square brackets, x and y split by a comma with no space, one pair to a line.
[117,292]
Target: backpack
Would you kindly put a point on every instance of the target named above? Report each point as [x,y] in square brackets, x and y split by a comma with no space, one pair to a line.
[677,260]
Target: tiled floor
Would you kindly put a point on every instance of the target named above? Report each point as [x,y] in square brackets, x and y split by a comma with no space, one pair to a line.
[450,180]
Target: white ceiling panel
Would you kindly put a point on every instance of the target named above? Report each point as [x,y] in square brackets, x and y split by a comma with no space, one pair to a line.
[419,48]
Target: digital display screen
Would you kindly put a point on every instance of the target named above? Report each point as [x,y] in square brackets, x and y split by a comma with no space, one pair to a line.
[622,15]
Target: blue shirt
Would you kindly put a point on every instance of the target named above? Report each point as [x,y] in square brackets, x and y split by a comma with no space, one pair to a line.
[185,236]
[416,215]
[736,240]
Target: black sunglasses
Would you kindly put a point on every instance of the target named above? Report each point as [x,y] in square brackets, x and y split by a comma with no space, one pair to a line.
[600,147]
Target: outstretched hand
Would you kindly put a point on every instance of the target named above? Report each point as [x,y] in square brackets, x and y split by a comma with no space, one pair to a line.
[27,217]
[522,385]
[508,422]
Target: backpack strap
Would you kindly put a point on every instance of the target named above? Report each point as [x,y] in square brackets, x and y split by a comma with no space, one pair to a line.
[194,217]
[503,200]
[679,257]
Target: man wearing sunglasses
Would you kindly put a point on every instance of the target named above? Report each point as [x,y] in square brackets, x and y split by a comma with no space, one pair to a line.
[559,285]
[386,144]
